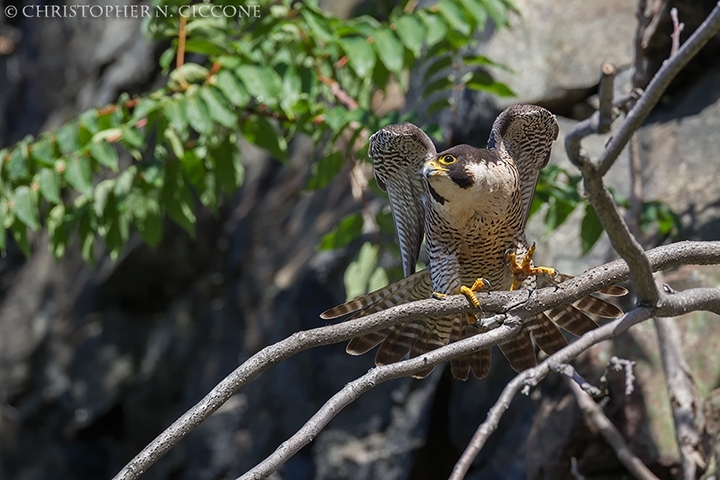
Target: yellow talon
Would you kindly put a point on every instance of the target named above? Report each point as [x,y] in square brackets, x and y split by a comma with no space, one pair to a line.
[469,292]
[522,270]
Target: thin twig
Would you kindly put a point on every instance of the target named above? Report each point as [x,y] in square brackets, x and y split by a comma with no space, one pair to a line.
[703,298]
[670,68]
[636,188]
[377,375]
[667,256]
[572,374]
[677,30]
[594,414]
[685,404]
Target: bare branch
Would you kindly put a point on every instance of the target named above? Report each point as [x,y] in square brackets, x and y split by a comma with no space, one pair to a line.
[594,414]
[620,237]
[636,187]
[599,122]
[668,256]
[657,86]
[686,406]
[572,374]
[377,375]
[682,302]
[677,30]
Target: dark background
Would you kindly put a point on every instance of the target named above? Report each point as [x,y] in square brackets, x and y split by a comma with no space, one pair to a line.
[96,361]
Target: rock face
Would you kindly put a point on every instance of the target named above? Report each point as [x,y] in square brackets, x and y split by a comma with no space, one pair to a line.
[94,362]
[554,49]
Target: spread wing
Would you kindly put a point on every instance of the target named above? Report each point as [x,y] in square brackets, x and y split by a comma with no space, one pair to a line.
[398,153]
[526,134]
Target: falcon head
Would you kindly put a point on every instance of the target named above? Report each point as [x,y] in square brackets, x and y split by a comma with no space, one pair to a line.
[469,177]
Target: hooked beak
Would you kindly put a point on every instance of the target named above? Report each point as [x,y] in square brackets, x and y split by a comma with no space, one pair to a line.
[431,168]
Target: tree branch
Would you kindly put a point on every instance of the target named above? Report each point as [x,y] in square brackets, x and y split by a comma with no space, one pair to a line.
[685,406]
[594,414]
[377,375]
[657,87]
[678,304]
[668,256]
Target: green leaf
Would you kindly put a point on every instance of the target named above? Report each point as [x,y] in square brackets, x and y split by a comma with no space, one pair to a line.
[17,165]
[318,25]
[175,115]
[67,138]
[261,82]
[177,199]
[102,194]
[590,229]
[198,115]
[143,108]
[231,87]
[436,27]
[190,73]
[347,230]
[105,154]
[204,47]
[557,213]
[360,54]
[42,152]
[292,89]
[124,182]
[19,230]
[49,185]
[219,111]
[26,207]
[150,226]
[230,171]
[132,137]
[325,170]
[483,82]
[497,11]
[57,230]
[78,174]
[87,227]
[259,130]
[390,50]
[175,144]
[477,11]
[454,16]
[411,32]
[88,126]
[359,272]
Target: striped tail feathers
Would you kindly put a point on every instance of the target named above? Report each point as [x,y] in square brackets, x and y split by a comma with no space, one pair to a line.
[519,351]
[365,343]
[435,334]
[477,362]
[547,336]
[571,319]
[417,286]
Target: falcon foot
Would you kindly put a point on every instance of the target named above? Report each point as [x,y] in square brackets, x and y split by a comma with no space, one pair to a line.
[469,292]
[522,270]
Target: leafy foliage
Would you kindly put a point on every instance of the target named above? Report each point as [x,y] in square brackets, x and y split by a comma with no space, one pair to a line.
[560,192]
[294,70]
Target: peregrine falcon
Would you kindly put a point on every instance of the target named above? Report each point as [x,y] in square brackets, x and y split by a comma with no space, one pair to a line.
[471,205]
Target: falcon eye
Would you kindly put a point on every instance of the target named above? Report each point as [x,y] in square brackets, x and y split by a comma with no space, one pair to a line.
[447,159]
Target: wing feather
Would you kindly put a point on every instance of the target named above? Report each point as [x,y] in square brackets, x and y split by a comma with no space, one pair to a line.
[525,133]
[398,153]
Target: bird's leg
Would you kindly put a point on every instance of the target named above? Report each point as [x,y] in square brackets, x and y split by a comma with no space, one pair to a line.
[522,270]
[469,292]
